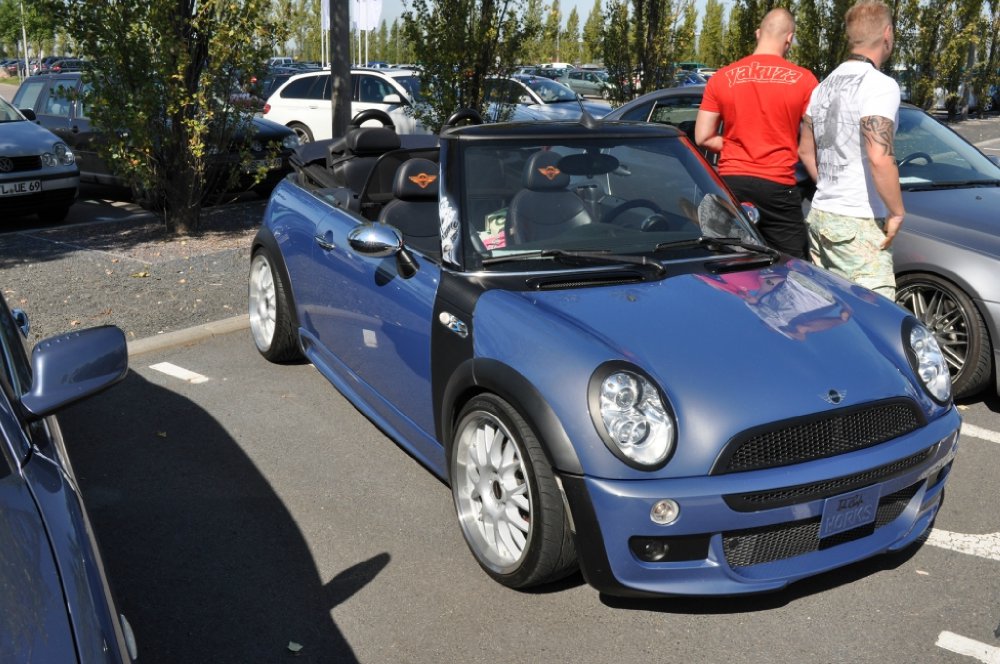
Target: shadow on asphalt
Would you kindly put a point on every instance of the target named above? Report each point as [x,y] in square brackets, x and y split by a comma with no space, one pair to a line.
[207,562]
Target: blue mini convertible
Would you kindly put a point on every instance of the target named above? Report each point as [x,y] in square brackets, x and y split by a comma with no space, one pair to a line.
[577,328]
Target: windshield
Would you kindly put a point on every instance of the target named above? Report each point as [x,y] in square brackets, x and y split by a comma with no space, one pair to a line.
[635,196]
[549,91]
[8,113]
[932,155]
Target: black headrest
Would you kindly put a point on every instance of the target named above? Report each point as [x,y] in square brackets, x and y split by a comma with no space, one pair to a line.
[416,180]
[543,174]
[367,141]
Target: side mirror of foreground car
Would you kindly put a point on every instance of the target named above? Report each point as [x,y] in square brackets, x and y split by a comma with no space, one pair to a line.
[381,241]
[73,366]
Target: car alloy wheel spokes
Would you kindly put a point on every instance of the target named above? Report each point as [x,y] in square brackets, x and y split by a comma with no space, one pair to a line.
[942,315]
[262,302]
[494,498]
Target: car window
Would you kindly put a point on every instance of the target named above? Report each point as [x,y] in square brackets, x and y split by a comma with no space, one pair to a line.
[59,100]
[8,113]
[308,87]
[372,89]
[550,91]
[83,102]
[504,91]
[640,113]
[27,95]
[930,153]
[16,369]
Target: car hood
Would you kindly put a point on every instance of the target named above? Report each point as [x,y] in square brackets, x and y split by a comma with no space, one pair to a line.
[23,138]
[964,217]
[34,624]
[728,353]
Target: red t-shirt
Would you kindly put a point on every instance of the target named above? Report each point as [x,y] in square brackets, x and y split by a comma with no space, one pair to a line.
[761,100]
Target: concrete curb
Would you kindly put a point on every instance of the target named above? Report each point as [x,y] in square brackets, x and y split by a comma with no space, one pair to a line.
[188,336]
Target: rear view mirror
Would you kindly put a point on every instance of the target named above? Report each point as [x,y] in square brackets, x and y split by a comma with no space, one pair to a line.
[392,99]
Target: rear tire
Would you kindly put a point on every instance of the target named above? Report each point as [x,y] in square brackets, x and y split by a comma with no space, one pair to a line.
[302,131]
[957,325]
[508,504]
[270,313]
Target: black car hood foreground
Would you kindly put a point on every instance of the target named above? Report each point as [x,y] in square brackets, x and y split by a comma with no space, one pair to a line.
[33,616]
[967,217]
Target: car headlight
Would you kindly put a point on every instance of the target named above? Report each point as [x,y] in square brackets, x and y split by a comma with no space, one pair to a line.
[60,155]
[927,360]
[631,416]
[290,142]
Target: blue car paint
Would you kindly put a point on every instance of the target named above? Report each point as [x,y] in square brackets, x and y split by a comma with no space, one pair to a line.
[56,604]
[691,331]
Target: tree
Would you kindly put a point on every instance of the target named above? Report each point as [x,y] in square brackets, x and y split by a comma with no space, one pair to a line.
[684,47]
[809,47]
[711,42]
[552,33]
[483,36]
[40,24]
[592,34]
[533,50]
[161,93]
[571,38]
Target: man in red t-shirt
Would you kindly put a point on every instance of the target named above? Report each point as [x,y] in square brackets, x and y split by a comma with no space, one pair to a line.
[760,101]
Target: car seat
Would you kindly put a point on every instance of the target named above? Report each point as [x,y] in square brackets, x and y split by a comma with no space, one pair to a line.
[544,208]
[414,208]
[350,161]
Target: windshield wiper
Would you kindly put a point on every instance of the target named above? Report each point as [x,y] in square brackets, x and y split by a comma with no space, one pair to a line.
[718,243]
[957,184]
[586,257]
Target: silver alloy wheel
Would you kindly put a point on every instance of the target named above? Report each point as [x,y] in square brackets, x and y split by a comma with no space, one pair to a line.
[263,301]
[492,493]
[937,309]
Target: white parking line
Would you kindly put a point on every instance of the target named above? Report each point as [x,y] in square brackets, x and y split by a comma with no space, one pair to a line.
[979,432]
[179,372]
[962,645]
[983,546]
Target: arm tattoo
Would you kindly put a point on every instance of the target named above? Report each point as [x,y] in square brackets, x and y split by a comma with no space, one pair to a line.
[807,122]
[879,131]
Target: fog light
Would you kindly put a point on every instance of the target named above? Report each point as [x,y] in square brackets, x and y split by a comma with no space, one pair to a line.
[651,550]
[665,512]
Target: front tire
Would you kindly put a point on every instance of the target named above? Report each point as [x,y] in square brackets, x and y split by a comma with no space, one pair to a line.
[508,504]
[270,314]
[957,325]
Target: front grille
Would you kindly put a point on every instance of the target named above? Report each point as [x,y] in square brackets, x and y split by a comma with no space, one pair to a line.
[20,164]
[818,436]
[765,500]
[744,548]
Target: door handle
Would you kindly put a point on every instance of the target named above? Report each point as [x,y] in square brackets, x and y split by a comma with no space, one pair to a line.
[324,243]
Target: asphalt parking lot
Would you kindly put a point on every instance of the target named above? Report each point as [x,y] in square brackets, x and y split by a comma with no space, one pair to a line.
[251,507]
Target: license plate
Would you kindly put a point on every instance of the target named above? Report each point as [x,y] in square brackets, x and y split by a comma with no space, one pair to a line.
[20,188]
[848,511]
[267,164]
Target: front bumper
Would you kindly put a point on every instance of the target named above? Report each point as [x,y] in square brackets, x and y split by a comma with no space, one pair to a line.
[719,550]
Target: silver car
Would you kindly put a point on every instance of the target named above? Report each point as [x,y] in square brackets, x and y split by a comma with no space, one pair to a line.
[947,255]
[38,172]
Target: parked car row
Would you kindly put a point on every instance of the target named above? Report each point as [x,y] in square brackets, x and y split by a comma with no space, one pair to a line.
[58,102]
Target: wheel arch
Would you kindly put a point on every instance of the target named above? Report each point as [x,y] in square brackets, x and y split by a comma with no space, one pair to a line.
[477,376]
[961,284]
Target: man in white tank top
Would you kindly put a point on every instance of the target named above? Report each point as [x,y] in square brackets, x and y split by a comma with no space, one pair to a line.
[847,147]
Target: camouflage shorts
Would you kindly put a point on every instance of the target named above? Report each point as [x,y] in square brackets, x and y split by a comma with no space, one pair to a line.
[851,247]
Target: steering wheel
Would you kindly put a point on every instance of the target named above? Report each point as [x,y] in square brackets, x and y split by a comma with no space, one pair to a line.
[915,155]
[614,212]
[372,114]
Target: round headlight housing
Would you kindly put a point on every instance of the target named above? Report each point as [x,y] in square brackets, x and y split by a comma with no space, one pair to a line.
[291,141]
[631,416]
[927,360]
[63,154]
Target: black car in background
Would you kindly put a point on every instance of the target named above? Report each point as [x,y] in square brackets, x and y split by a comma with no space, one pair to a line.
[58,102]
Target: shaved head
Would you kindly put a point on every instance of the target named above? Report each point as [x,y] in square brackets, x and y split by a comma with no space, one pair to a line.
[777,24]
[866,23]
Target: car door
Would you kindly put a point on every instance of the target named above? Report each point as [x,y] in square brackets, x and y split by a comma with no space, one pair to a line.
[87,142]
[305,102]
[372,324]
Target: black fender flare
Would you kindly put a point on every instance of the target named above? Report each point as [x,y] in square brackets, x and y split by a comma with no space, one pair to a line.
[486,375]
[265,240]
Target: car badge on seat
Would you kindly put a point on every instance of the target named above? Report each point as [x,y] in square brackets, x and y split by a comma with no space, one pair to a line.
[550,172]
[422,179]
